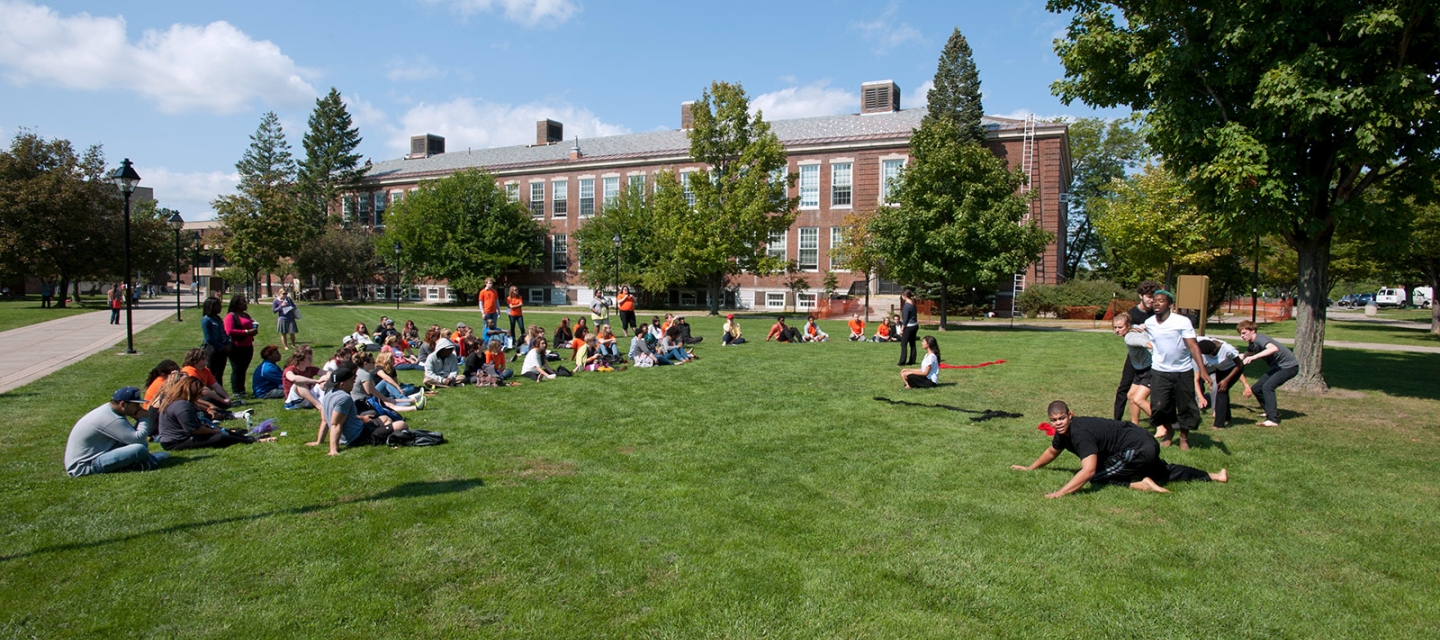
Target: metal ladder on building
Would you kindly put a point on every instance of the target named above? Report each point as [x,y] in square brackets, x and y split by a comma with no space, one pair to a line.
[1027,164]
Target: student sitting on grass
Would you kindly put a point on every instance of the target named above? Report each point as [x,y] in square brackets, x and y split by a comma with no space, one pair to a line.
[411,334]
[1283,367]
[535,368]
[214,397]
[494,332]
[156,379]
[885,332]
[782,332]
[1137,343]
[104,441]
[587,357]
[400,354]
[427,346]
[495,362]
[672,348]
[656,330]
[1111,452]
[362,339]
[928,375]
[686,338]
[579,341]
[857,328]
[607,344]
[267,380]
[641,354]
[442,368]
[1222,365]
[181,426]
[730,333]
[301,380]
[343,422]
[387,382]
[812,332]
[563,334]
[366,391]
[531,333]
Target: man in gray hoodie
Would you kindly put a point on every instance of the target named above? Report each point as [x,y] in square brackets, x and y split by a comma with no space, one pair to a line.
[442,368]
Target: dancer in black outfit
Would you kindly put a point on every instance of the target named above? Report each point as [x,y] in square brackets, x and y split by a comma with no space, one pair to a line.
[1138,315]
[909,324]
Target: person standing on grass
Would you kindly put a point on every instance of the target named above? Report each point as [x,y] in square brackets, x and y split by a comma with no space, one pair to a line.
[47,291]
[1111,452]
[104,441]
[1283,367]
[212,327]
[625,302]
[1138,315]
[516,311]
[241,329]
[286,314]
[490,301]
[599,310]
[1176,371]
[928,375]
[909,324]
[1137,342]
[1222,367]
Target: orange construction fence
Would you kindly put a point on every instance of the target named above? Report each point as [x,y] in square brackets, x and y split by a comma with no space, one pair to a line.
[842,308]
[1266,311]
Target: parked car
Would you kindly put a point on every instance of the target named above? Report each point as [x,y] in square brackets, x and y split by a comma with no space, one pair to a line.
[1390,297]
[1355,300]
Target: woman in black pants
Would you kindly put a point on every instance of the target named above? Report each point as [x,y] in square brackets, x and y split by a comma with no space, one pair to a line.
[241,329]
[212,326]
[909,324]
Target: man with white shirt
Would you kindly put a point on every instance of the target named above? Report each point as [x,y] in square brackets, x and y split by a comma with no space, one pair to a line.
[1176,397]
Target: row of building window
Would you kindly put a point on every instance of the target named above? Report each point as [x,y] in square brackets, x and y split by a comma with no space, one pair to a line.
[807,258]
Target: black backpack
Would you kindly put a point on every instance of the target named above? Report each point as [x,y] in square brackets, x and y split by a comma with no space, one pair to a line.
[415,438]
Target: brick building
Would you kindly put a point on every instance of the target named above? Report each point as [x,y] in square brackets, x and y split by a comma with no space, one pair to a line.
[842,162]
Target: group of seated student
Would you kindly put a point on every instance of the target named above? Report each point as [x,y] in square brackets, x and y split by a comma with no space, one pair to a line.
[884,330]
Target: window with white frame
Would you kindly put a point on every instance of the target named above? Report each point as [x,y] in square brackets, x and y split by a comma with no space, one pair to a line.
[774,300]
[889,172]
[537,199]
[559,198]
[559,253]
[610,189]
[559,296]
[637,183]
[347,209]
[432,293]
[837,249]
[396,197]
[805,301]
[381,200]
[449,294]
[808,258]
[685,184]
[537,296]
[366,203]
[775,248]
[587,197]
[512,191]
[840,184]
[809,186]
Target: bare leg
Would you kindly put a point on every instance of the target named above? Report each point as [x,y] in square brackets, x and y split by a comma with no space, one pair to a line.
[1164,433]
[1184,439]
[1139,401]
[1146,484]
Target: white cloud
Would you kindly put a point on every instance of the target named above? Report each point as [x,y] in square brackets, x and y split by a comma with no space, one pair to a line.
[411,70]
[526,12]
[466,122]
[884,33]
[814,99]
[189,193]
[921,97]
[214,68]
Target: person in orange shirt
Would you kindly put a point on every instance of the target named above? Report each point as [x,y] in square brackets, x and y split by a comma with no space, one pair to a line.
[626,303]
[857,328]
[495,361]
[157,378]
[490,301]
[517,313]
[579,340]
[882,332]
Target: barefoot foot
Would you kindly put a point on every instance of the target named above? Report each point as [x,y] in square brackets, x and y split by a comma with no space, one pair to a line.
[1148,485]
[1223,476]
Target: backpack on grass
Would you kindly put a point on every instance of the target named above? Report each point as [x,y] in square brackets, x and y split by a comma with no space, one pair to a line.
[415,438]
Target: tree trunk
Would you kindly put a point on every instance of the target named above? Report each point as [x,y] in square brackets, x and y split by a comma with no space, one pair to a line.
[1434,308]
[64,290]
[269,287]
[713,285]
[867,296]
[1310,313]
[944,303]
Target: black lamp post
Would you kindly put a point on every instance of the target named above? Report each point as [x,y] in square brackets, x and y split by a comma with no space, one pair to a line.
[125,179]
[397,276]
[616,240]
[177,223]
[195,271]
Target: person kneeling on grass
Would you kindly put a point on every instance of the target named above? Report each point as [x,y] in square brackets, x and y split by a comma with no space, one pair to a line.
[442,368]
[104,441]
[928,375]
[344,423]
[1111,452]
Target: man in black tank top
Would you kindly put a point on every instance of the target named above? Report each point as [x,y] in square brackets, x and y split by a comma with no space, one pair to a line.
[1138,315]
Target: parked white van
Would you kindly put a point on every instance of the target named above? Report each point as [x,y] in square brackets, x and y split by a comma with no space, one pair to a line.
[1423,297]
[1389,298]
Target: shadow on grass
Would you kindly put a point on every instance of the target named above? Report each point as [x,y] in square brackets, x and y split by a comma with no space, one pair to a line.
[406,490]
[1199,440]
[1396,373]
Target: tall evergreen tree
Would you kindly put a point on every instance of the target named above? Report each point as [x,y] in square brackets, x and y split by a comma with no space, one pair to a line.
[267,163]
[331,166]
[263,224]
[956,95]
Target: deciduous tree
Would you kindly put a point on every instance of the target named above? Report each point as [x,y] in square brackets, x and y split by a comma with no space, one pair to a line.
[1100,151]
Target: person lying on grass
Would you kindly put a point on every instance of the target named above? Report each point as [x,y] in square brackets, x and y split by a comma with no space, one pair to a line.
[345,424]
[104,441]
[1111,452]
[928,375]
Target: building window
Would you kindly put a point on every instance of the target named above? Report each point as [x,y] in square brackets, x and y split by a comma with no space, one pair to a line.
[587,197]
[778,177]
[809,256]
[537,296]
[611,190]
[432,293]
[347,209]
[775,248]
[396,197]
[837,249]
[889,171]
[559,197]
[685,184]
[537,199]
[687,298]
[774,300]
[380,202]
[366,202]
[840,184]
[637,184]
[512,191]
[805,301]
[810,186]
[559,253]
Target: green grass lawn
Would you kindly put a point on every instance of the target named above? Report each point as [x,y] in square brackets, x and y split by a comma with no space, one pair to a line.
[758,492]
[26,311]
[1341,331]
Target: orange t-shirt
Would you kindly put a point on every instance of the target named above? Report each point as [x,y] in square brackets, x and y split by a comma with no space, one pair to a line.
[626,302]
[154,390]
[857,326]
[811,329]
[577,343]
[496,360]
[884,330]
[489,301]
[517,306]
[203,373]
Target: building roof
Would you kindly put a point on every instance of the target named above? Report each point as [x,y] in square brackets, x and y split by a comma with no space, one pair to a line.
[657,144]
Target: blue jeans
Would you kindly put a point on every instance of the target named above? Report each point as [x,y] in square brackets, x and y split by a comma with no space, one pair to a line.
[610,350]
[119,458]
[391,391]
[677,355]
[409,367]
[520,322]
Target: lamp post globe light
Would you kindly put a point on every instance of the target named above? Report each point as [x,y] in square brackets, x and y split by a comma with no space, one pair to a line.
[177,223]
[616,240]
[125,179]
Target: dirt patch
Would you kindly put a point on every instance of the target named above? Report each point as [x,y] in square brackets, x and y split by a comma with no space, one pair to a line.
[1344,394]
[537,470]
[626,450]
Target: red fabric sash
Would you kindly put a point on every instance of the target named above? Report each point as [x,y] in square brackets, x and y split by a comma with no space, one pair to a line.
[970,366]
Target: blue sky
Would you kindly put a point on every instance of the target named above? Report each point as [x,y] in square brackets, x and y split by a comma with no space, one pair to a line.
[178,87]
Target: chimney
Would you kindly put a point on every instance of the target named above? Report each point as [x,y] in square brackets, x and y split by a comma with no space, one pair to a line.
[548,132]
[426,146]
[882,96]
[575,150]
[687,121]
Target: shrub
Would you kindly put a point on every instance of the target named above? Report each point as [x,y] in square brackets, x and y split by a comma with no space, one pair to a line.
[1077,298]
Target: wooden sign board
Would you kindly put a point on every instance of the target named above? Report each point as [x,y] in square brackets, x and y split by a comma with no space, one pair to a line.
[1193,292]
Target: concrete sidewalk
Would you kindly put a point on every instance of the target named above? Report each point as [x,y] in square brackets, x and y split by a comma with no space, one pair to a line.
[50,346]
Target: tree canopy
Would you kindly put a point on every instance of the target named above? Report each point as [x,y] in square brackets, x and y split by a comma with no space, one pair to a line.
[331,167]
[1101,151]
[1151,225]
[956,94]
